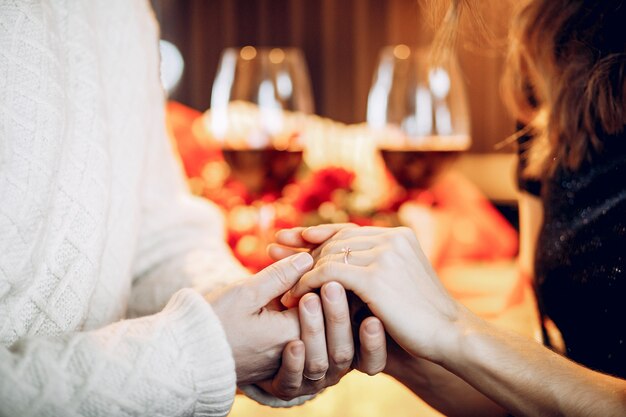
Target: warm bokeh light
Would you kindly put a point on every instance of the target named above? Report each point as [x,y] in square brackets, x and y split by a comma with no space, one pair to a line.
[248,52]
[402,51]
[277,56]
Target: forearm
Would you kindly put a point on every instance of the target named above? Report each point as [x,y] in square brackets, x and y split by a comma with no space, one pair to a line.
[527,378]
[441,389]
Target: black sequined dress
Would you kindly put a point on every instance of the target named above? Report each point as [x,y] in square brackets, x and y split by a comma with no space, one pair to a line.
[580,264]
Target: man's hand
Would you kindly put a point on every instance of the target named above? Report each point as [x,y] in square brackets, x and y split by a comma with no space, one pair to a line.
[258,334]
[326,352]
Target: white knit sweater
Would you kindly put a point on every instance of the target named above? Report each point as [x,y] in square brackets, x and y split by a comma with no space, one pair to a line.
[96,225]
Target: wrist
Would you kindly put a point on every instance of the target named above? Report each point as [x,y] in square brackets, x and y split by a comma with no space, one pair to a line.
[403,368]
[454,341]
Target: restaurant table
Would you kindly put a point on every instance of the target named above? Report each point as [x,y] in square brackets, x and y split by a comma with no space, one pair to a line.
[492,290]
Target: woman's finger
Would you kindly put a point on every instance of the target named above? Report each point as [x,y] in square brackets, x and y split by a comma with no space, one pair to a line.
[292,238]
[291,241]
[278,252]
[321,233]
[373,346]
[349,276]
[340,246]
[358,258]
[313,335]
[348,233]
[340,343]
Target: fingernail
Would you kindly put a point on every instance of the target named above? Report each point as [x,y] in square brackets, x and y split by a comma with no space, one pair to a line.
[373,328]
[332,291]
[297,350]
[284,300]
[312,305]
[302,261]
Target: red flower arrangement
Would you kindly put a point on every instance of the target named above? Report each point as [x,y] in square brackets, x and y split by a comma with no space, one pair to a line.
[320,186]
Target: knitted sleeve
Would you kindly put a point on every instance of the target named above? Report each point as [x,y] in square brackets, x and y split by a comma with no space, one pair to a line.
[174,363]
[182,243]
[181,239]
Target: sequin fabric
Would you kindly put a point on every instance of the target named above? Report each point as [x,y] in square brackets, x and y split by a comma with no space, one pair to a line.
[580,264]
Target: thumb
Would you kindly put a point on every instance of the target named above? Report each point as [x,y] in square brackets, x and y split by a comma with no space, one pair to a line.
[278,278]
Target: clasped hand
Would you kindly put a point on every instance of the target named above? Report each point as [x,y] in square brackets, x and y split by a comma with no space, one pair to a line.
[300,350]
[388,271]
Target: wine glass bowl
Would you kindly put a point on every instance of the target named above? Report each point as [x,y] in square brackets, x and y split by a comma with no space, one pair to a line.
[263,171]
[258,101]
[419,113]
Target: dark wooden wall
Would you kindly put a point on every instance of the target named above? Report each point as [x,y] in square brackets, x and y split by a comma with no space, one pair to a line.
[341,40]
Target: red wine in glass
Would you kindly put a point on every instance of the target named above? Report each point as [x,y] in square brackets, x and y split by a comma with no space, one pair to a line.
[263,171]
[417,169]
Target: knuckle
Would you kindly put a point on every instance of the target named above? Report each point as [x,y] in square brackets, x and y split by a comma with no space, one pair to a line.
[374,370]
[344,232]
[386,257]
[343,356]
[247,294]
[328,248]
[373,350]
[321,261]
[314,331]
[339,317]
[318,366]
[286,393]
[278,273]
[289,386]
[328,269]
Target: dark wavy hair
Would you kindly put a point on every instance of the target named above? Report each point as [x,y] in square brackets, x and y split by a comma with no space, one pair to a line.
[565,76]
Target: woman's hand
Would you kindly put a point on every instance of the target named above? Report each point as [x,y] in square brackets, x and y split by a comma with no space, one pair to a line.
[257,332]
[441,389]
[388,271]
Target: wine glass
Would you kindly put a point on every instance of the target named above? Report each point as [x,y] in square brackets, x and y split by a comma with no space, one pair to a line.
[259,99]
[419,112]
[259,104]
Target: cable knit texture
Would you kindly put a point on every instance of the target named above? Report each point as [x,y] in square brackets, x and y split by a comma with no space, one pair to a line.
[96,225]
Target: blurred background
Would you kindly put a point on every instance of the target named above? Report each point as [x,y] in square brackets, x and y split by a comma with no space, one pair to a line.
[341,40]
